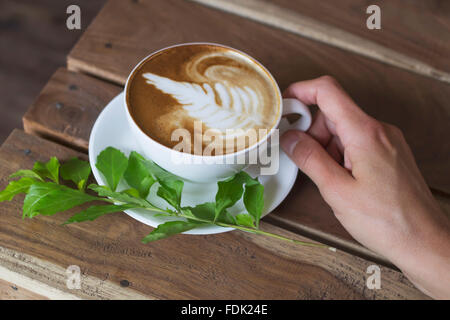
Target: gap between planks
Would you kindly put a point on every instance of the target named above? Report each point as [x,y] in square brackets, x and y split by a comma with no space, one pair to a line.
[275,16]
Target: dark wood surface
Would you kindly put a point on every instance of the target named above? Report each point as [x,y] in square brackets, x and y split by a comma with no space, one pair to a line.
[272,14]
[418,105]
[417,28]
[10,291]
[34,42]
[68,106]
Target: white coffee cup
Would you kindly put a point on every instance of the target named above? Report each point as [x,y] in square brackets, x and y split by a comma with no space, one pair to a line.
[207,169]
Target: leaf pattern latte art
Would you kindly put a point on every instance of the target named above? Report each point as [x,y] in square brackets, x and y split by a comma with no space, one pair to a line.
[222,107]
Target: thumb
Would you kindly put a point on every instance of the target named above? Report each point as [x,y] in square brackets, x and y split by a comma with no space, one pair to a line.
[313,160]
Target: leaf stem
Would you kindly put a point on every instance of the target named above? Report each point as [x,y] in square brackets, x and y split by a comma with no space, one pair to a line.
[246,229]
[273,235]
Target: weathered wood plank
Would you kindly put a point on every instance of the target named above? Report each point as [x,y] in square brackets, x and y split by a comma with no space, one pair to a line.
[34,42]
[67,108]
[49,280]
[10,291]
[407,26]
[232,265]
[418,105]
[407,38]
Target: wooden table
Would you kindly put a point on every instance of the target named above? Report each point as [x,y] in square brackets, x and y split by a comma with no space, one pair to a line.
[388,72]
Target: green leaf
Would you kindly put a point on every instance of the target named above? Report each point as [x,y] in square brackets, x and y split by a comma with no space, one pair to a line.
[112,163]
[254,200]
[16,187]
[77,171]
[49,170]
[41,170]
[227,218]
[53,168]
[232,189]
[137,174]
[132,192]
[94,212]
[206,211]
[171,186]
[246,220]
[81,185]
[171,192]
[161,215]
[48,198]
[27,174]
[123,196]
[168,229]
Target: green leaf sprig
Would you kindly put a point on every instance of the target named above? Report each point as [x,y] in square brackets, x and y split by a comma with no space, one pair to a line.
[44,195]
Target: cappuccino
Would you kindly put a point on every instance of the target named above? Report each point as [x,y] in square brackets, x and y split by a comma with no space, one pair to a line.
[203,92]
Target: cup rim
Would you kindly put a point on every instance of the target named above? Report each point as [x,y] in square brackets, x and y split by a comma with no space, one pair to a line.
[196,156]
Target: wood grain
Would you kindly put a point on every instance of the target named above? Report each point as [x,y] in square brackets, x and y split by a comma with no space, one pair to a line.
[67,108]
[10,291]
[418,105]
[396,43]
[233,265]
[33,275]
[407,26]
[34,42]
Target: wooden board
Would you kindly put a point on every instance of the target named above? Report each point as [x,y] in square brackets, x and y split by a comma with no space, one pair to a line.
[67,108]
[10,291]
[418,105]
[406,38]
[407,26]
[114,264]
[35,41]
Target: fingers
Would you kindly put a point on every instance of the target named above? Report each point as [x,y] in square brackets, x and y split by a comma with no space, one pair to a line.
[319,129]
[324,132]
[340,110]
[314,161]
[334,149]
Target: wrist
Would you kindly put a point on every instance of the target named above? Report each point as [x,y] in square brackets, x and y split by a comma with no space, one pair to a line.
[425,259]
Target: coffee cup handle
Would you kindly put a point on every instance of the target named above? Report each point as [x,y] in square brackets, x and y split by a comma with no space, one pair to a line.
[294,106]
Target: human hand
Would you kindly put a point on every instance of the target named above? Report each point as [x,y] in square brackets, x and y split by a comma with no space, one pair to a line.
[366,172]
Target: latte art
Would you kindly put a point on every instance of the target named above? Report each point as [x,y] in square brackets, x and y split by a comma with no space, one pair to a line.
[227,92]
[238,108]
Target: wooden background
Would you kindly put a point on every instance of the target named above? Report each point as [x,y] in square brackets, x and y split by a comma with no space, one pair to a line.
[34,42]
[398,74]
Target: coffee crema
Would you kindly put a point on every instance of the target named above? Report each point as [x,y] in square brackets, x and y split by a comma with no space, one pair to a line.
[214,93]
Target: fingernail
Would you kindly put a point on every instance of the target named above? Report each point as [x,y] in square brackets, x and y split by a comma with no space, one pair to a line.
[289,140]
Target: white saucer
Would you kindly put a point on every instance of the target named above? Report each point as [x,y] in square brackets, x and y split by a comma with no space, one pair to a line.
[111,129]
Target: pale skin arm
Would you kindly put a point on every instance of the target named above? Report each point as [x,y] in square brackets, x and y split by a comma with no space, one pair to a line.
[366,172]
